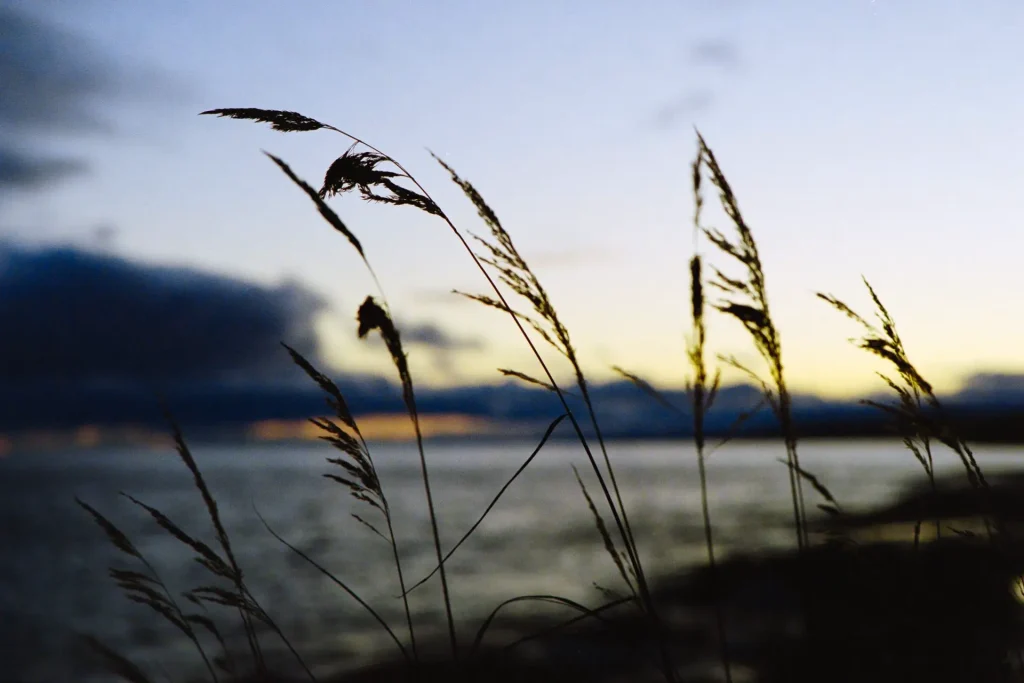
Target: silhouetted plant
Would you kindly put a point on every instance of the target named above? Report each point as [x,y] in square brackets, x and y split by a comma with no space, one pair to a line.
[229,589]
[747,303]
[147,588]
[361,170]
[360,473]
[373,317]
[702,391]
[918,414]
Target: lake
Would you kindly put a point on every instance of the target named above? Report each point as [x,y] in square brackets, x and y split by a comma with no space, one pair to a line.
[540,538]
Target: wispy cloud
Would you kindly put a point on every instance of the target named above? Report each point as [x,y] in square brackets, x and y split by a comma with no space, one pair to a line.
[717,52]
[443,347]
[684,108]
[431,296]
[565,258]
[21,170]
[433,336]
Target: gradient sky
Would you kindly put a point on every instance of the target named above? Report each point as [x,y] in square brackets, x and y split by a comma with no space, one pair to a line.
[862,137]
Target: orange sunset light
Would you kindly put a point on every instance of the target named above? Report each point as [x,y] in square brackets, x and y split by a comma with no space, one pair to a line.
[380,427]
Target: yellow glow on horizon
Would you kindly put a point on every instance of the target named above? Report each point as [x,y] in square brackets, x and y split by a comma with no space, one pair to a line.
[819,359]
[87,436]
[380,427]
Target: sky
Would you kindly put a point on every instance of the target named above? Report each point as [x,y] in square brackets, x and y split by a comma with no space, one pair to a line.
[862,137]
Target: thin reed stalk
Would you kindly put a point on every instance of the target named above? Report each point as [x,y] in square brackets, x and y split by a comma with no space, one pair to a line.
[359,471]
[702,395]
[747,302]
[338,582]
[494,501]
[516,274]
[373,317]
[749,305]
[222,537]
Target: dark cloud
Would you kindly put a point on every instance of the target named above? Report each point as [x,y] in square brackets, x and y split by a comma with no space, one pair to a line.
[719,52]
[52,83]
[443,346]
[431,335]
[51,78]
[25,171]
[71,316]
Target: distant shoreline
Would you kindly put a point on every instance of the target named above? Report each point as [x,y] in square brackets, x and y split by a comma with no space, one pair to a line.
[225,440]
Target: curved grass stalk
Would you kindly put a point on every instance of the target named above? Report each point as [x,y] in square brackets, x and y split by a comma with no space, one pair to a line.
[553,599]
[338,582]
[569,622]
[547,435]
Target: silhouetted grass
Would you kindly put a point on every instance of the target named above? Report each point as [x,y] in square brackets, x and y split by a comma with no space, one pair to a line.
[362,171]
[373,317]
[360,477]
[702,393]
[917,413]
[378,178]
[228,587]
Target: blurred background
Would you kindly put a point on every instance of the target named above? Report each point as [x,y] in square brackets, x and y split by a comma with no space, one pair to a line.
[147,251]
[143,243]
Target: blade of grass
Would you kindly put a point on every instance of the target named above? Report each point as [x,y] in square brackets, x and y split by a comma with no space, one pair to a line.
[117,663]
[338,582]
[700,400]
[569,622]
[494,501]
[553,599]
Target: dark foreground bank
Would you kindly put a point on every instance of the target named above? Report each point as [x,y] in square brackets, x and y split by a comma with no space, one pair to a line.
[943,608]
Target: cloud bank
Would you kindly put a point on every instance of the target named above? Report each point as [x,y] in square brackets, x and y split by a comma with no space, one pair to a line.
[73,317]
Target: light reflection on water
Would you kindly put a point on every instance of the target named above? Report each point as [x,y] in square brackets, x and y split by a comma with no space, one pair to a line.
[539,539]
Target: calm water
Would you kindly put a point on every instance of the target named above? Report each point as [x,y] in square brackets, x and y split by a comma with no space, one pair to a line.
[539,539]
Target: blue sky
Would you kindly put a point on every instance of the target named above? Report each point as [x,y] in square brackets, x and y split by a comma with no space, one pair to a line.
[878,138]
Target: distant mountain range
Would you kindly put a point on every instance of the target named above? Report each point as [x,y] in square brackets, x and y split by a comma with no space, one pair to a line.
[989,408]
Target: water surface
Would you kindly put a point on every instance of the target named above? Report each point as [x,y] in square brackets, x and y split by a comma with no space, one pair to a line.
[540,538]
